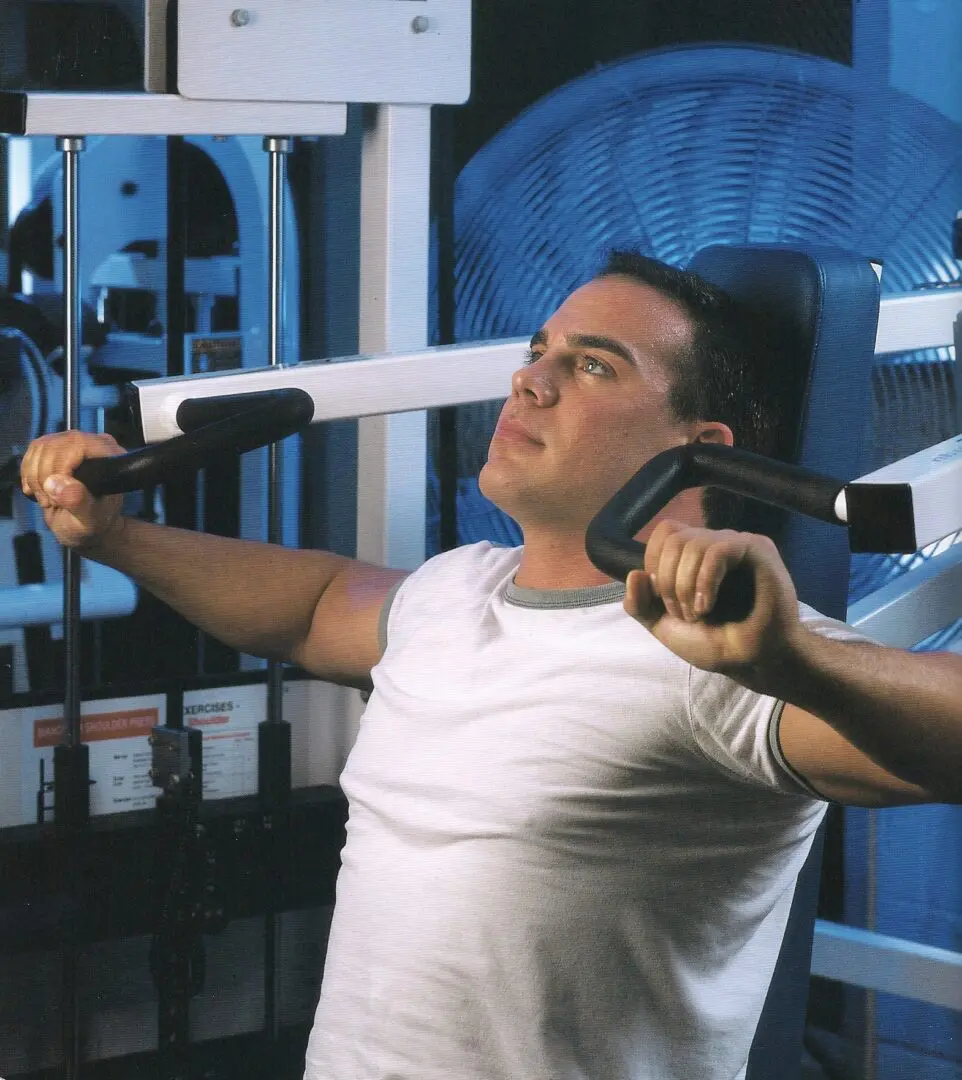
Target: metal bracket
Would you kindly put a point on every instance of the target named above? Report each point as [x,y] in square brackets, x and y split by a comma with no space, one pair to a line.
[176,760]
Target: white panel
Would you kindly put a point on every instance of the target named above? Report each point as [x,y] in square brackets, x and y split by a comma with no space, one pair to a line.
[428,379]
[921,320]
[392,450]
[390,51]
[892,965]
[914,606]
[117,113]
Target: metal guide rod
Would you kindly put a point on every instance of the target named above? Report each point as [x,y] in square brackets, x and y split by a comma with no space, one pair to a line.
[71,771]
[71,148]
[274,736]
[277,148]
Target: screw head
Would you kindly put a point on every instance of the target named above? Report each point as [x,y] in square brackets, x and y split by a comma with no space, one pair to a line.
[240,17]
[420,24]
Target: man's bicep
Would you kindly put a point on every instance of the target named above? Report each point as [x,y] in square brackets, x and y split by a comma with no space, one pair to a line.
[836,769]
[346,636]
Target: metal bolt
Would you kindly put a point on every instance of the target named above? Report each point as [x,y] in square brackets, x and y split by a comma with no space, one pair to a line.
[420,24]
[240,17]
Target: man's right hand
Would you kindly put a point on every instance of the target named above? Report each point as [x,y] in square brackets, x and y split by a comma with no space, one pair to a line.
[72,514]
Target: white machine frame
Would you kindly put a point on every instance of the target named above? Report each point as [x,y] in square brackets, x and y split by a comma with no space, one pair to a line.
[391,392]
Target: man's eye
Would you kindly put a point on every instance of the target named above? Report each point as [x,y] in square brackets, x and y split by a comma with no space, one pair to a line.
[530,356]
[594,366]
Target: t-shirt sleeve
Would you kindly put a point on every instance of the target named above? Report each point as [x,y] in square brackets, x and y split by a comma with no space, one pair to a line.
[382,622]
[424,592]
[737,728]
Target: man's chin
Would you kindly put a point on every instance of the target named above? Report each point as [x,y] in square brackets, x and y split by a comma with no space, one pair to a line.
[523,505]
[497,489]
[488,486]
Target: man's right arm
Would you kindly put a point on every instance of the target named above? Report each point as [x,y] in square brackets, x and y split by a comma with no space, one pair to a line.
[313,608]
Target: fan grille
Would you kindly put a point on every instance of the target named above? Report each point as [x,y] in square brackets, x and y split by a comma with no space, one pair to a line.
[675,150]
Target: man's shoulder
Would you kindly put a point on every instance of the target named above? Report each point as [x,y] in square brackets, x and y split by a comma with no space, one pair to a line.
[467,558]
[468,568]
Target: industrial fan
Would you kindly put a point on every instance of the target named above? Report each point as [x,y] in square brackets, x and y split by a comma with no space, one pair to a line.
[671,151]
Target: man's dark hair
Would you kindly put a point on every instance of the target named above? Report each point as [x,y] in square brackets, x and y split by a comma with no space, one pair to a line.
[728,372]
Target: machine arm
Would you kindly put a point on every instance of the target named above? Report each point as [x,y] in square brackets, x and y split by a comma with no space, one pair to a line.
[897,509]
[610,541]
[216,425]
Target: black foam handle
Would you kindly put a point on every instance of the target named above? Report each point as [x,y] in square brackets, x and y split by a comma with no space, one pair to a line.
[610,538]
[242,422]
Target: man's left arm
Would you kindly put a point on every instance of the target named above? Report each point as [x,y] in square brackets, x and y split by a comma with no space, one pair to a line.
[863,724]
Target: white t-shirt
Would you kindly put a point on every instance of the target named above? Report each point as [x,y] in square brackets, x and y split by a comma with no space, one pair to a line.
[570,855]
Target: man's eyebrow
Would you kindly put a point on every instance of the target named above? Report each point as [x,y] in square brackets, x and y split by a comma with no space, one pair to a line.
[599,341]
[590,341]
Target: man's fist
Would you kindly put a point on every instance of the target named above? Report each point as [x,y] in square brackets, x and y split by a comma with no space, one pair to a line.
[678,588]
[72,514]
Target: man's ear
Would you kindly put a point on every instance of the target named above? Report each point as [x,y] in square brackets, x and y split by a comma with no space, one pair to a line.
[720,434]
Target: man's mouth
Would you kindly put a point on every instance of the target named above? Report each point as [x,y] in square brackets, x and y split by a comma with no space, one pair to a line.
[512,431]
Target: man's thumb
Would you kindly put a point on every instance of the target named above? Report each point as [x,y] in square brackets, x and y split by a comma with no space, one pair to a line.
[641,602]
[66,492]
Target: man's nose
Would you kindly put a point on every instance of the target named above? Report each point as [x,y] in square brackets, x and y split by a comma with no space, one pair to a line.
[536,382]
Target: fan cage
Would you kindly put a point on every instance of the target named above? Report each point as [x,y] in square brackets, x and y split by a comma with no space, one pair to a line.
[674,150]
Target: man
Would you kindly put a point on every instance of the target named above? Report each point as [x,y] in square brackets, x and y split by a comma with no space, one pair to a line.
[577,811]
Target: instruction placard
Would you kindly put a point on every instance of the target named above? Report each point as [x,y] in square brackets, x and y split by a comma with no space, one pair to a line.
[116,731]
[228,718]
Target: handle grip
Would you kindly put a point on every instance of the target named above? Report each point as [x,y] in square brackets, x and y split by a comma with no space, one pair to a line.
[609,540]
[243,422]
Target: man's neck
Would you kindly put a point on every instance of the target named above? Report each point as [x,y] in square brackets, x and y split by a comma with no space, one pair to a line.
[555,558]
[556,561]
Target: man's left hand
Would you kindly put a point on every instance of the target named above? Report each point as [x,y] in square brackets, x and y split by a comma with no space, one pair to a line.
[678,587]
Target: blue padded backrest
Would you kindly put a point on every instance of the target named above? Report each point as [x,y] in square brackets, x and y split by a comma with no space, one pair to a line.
[827,301]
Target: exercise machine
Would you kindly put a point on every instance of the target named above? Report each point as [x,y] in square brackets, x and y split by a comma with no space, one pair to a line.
[269,75]
[397,380]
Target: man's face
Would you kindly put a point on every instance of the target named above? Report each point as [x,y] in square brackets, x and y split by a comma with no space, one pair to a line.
[589,408]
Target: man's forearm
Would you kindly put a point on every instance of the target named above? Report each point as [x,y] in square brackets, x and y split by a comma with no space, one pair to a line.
[256,598]
[903,710]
